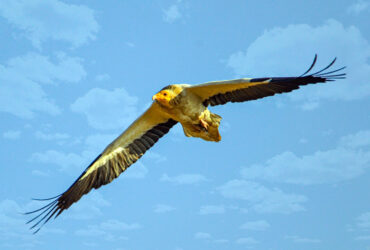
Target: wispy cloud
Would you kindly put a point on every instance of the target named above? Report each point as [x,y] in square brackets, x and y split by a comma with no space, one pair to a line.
[102,77]
[157,158]
[137,171]
[361,227]
[299,239]
[59,137]
[363,221]
[72,162]
[107,109]
[97,142]
[39,173]
[12,227]
[21,91]
[88,207]
[221,241]
[347,161]
[362,237]
[172,13]
[184,179]
[358,7]
[246,241]
[163,208]
[110,230]
[211,209]
[66,161]
[48,70]
[284,51]
[262,199]
[357,140]
[43,20]
[12,134]
[202,236]
[209,238]
[119,226]
[259,225]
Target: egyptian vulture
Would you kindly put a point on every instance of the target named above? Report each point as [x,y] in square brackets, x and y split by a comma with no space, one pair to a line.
[183,103]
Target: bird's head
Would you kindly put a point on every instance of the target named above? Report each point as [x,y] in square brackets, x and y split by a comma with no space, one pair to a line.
[165,96]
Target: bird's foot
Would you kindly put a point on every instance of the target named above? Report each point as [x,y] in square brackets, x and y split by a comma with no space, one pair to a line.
[204,124]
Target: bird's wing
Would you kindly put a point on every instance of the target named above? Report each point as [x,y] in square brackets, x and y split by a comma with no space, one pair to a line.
[246,89]
[116,158]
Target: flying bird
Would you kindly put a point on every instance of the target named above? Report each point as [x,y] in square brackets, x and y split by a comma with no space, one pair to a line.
[183,103]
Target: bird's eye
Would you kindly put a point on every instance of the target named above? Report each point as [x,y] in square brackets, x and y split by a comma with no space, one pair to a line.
[165,94]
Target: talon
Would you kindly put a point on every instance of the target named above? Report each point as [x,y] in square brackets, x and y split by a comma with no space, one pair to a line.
[204,124]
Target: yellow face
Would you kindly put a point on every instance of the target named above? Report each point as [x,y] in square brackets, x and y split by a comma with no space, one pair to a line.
[163,97]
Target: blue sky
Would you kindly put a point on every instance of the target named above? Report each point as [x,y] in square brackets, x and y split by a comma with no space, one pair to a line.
[291,171]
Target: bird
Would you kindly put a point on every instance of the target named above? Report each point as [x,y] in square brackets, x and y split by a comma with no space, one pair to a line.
[177,103]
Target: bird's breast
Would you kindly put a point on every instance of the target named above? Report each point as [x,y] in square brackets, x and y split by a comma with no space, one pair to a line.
[188,109]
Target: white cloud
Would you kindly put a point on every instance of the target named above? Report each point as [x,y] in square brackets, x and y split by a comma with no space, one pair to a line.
[157,158]
[342,163]
[51,137]
[66,161]
[259,225]
[12,134]
[13,229]
[172,13]
[321,167]
[74,162]
[110,230]
[115,225]
[361,226]
[358,7]
[88,207]
[21,93]
[11,223]
[130,44]
[102,77]
[136,171]
[43,20]
[39,173]
[184,179]
[98,142]
[262,199]
[360,139]
[298,239]
[202,236]
[162,208]
[246,241]
[105,109]
[362,237]
[285,51]
[363,221]
[41,69]
[221,241]
[211,209]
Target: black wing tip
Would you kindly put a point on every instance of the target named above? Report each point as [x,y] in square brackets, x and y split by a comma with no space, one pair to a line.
[310,68]
[46,199]
[325,76]
[46,213]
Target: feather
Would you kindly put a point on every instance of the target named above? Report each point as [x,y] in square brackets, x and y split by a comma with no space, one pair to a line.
[246,89]
[116,158]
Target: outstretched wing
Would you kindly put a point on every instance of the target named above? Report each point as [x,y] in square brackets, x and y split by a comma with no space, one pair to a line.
[116,158]
[246,89]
